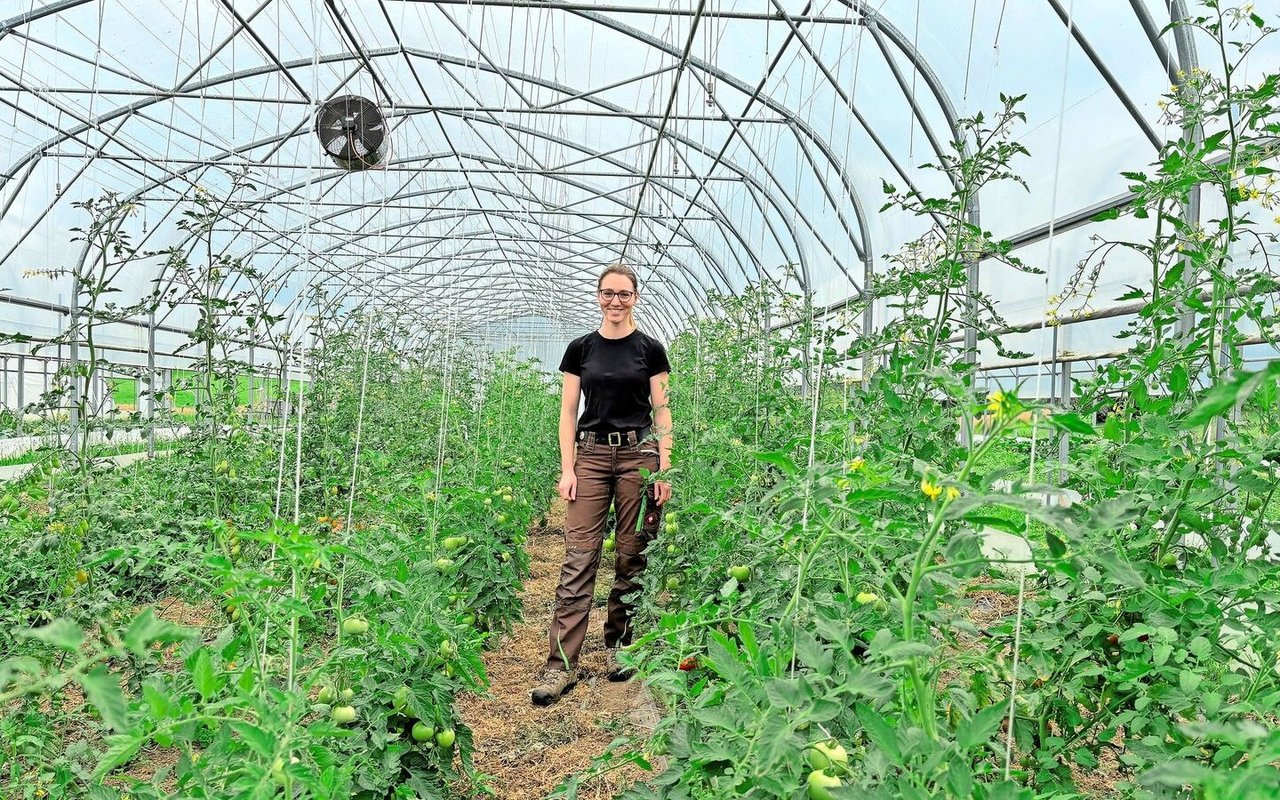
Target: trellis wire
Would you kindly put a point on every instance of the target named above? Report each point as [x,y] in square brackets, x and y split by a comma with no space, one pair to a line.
[1035,424]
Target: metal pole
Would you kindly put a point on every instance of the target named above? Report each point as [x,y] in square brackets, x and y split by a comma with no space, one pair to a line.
[868,316]
[22,390]
[151,384]
[249,385]
[1064,443]
[74,322]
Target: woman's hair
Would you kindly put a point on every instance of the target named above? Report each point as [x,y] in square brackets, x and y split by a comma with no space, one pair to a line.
[629,274]
[618,269]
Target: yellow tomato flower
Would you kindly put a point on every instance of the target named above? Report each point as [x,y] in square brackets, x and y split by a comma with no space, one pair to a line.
[856,464]
[930,489]
[952,493]
[994,400]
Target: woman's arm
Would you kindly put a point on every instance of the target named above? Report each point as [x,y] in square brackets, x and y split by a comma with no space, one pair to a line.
[662,428]
[568,486]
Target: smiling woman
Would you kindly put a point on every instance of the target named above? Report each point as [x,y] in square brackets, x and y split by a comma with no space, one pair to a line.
[624,429]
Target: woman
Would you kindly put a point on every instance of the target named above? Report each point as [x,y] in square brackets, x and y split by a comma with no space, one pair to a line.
[625,427]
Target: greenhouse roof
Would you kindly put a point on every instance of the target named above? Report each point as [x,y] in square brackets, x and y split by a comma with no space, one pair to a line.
[709,143]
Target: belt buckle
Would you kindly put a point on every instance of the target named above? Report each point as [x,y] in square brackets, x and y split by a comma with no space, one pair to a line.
[615,439]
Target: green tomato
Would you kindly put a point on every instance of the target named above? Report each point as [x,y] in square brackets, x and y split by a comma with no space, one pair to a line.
[445,738]
[354,626]
[502,519]
[488,501]
[1253,502]
[821,784]
[671,526]
[1169,560]
[505,556]
[673,582]
[866,598]
[823,754]
[277,770]
[672,549]
[401,698]
[326,695]
[468,619]
[506,498]
[348,693]
[344,715]
[422,732]
[448,649]
[444,564]
[454,542]
[740,573]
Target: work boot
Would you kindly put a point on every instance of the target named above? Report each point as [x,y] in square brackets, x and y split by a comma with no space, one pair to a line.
[614,669]
[554,683]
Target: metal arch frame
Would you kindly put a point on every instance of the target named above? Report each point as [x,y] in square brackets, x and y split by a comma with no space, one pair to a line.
[421,281]
[738,84]
[496,190]
[446,299]
[684,270]
[262,69]
[412,280]
[912,53]
[582,148]
[1096,60]
[368,63]
[254,145]
[64,4]
[265,69]
[757,94]
[452,256]
[348,289]
[594,193]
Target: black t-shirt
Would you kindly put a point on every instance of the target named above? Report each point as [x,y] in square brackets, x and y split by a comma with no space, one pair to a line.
[615,377]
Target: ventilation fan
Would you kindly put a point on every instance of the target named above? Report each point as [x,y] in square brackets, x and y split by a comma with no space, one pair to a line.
[353,132]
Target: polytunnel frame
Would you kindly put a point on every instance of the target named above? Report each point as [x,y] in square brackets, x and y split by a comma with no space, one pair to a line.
[593,154]
[753,96]
[1184,43]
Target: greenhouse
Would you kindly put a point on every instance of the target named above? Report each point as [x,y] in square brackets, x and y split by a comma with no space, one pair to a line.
[681,399]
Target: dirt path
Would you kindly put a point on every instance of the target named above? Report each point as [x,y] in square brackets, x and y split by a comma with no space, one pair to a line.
[528,751]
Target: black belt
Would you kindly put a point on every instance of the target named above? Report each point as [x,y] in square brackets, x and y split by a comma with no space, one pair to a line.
[614,438]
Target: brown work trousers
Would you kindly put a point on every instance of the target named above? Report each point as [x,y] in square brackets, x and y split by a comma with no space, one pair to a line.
[606,475]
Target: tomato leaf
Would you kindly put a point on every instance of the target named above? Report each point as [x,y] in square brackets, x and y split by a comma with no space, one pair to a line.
[1072,423]
[779,460]
[880,732]
[261,742]
[981,726]
[103,690]
[1224,396]
[1057,548]
[202,675]
[1176,774]
[146,629]
[120,750]
[61,633]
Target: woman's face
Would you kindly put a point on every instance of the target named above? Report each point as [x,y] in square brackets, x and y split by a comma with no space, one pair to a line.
[616,297]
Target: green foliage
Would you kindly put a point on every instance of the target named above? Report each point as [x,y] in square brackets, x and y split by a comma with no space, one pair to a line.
[237,701]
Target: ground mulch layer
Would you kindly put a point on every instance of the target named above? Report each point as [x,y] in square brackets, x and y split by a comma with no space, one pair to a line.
[528,751]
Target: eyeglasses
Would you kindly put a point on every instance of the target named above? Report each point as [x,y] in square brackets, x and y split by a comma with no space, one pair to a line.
[607,295]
